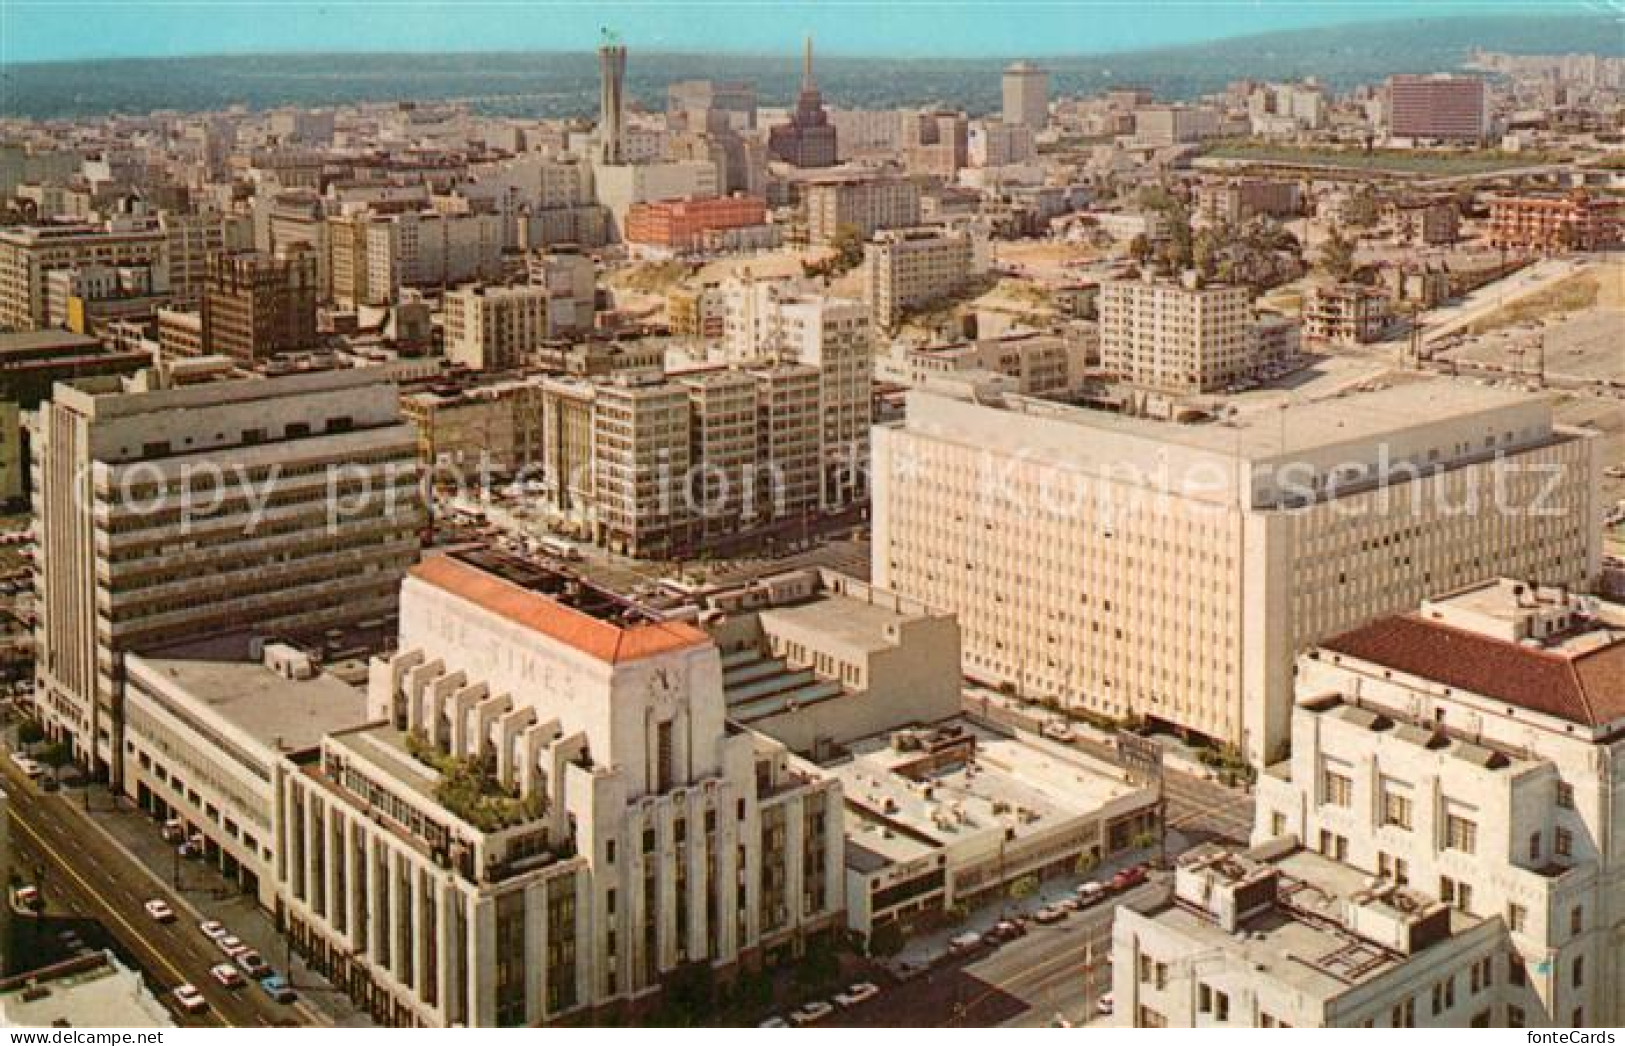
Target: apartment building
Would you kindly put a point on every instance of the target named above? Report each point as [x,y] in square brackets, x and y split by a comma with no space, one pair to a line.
[496,425]
[1576,222]
[1176,337]
[1241,200]
[908,268]
[165,513]
[29,253]
[258,305]
[1469,750]
[375,254]
[550,817]
[641,448]
[1169,571]
[864,205]
[997,143]
[1345,314]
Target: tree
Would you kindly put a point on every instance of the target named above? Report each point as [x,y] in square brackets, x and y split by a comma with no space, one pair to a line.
[29,732]
[1024,887]
[1087,862]
[1337,256]
[1139,248]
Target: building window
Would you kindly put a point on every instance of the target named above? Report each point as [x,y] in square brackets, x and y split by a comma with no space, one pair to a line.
[1562,842]
[1277,825]
[1516,975]
[1515,1017]
[1396,810]
[1579,1017]
[1404,1014]
[1577,972]
[1517,917]
[1460,834]
[1565,795]
[1577,918]
[1395,868]
[1444,995]
[1456,893]
[1482,974]
[1336,788]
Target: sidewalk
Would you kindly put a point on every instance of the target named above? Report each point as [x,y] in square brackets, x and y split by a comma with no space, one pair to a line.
[205,894]
[926,949]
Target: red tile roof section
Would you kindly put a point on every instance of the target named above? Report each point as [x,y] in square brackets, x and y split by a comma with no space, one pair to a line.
[1587,687]
[600,639]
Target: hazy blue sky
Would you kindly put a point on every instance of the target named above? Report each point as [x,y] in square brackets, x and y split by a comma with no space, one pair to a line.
[35,30]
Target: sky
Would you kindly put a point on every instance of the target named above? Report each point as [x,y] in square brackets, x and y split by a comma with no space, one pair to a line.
[53,30]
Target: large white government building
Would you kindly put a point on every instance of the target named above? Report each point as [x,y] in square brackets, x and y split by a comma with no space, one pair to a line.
[1137,568]
[550,814]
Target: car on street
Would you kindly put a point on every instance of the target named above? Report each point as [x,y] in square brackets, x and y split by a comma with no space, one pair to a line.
[856,995]
[965,942]
[251,963]
[1048,915]
[811,1013]
[232,945]
[188,998]
[160,910]
[1090,894]
[213,929]
[1007,930]
[227,975]
[278,988]
[1128,878]
[774,1022]
[27,899]
[1104,1006]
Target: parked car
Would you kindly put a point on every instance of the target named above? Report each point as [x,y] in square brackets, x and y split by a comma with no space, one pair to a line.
[1068,904]
[811,1013]
[213,929]
[27,898]
[227,975]
[251,963]
[965,942]
[774,1022]
[1090,894]
[1007,930]
[1047,915]
[278,988]
[188,998]
[160,910]
[232,945]
[857,994]
[1058,731]
[1128,878]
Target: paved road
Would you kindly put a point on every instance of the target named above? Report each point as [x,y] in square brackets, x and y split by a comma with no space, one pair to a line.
[88,877]
[1060,970]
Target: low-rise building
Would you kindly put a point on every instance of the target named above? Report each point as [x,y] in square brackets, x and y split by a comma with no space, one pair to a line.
[908,268]
[1576,222]
[1345,314]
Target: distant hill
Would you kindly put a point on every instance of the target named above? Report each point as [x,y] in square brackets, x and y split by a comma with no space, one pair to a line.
[566,84]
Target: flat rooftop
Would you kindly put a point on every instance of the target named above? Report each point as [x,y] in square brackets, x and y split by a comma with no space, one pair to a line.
[1006,783]
[1298,428]
[291,714]
[1299,940]
[855,624]
[94,991]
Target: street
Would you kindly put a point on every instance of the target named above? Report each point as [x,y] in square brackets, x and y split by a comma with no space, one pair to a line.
[86,878]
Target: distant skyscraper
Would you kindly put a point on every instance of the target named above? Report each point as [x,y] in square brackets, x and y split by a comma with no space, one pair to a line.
[808,140]
[1026,95]
[611,81]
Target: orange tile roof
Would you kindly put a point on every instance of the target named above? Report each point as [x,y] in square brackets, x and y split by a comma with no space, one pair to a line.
[1581,687]
[603,640]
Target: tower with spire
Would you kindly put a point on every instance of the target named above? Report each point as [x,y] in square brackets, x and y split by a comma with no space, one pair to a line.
[808,140]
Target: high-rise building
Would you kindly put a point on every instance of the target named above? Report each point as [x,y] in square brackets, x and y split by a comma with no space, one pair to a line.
[257,305]
[735,99]
[808,140]
[1438,106]
[497,328]
[611,100]
[607,830]
[908,268]
[1176,338]
[863,205]
[1026,95]
[1170,571]
[164,513]
[28,255]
